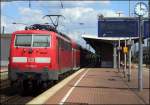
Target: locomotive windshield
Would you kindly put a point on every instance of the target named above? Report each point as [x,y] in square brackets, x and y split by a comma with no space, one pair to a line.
[32,40]
[41,41]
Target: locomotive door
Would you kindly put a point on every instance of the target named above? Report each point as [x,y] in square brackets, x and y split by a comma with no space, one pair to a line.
[59,53]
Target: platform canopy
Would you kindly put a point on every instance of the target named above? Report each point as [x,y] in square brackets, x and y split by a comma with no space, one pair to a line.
[107,38]
[94,40]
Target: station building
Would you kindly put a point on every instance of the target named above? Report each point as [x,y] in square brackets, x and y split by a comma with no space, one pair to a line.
[5,46]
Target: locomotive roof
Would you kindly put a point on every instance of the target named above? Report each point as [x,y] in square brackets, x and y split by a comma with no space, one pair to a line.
[45,27]
[64,35]
[31,31]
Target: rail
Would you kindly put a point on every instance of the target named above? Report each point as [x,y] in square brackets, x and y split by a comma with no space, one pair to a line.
[3,75]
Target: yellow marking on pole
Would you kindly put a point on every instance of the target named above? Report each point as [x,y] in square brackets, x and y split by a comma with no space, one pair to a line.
[125,49]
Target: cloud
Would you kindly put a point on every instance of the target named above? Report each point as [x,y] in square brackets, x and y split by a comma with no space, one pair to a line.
[87,16]
[69,4]
[31,16]
[27,16]
[29,11]
[110,13]
[76,13]
[7,23]
[3,4]
[3,21]
[73,17]
[105,2]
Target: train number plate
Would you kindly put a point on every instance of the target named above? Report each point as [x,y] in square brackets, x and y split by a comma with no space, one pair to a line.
[31,59]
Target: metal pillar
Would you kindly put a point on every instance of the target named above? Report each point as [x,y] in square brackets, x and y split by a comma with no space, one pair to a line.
[129,8]
[3,30]
[125,61]
[119,55]
[140,78]
[149,8]
[129,57]
[129,69]
[115,57]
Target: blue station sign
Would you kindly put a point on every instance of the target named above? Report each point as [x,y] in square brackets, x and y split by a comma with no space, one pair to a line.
[146,28]
[120,27]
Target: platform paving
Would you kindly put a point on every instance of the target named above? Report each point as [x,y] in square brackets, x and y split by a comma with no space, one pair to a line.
[102,86]
[3,72]
[3,68]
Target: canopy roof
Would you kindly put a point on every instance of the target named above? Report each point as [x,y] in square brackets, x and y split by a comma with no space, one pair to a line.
[96,42]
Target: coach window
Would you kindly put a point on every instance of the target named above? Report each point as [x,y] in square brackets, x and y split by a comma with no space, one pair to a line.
[59,42]
[65,45]
[41,40]
[70,47]
[23,40]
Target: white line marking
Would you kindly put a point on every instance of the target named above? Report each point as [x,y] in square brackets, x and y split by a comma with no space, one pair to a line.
[146,70]
[69,92]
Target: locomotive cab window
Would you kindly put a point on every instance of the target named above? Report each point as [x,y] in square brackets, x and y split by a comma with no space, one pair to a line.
[32,40]
[41,41]
[23,40]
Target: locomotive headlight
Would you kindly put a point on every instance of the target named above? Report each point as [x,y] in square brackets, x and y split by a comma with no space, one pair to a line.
[19,59]
[43,60]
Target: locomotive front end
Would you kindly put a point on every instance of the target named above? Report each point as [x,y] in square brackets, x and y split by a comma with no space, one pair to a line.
[30,56]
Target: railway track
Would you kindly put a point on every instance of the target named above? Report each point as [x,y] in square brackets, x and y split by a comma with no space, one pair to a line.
[3,75]
[11,95]
[4,84]
[16,99]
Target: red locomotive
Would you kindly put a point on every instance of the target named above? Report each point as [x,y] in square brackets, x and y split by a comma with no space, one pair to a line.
[39,54]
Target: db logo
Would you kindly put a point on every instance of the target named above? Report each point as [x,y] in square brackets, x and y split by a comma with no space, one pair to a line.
[30,59]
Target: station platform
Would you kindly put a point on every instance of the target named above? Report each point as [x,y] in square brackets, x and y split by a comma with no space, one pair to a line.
[3,69]
[98,86]
[3,72]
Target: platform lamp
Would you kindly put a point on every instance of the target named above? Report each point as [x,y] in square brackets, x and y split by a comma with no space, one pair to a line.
[140,10]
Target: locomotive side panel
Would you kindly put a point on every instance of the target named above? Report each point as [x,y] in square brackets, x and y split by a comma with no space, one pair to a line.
[64,55]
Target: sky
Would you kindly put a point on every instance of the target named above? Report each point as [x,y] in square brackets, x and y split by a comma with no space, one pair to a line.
[80,16]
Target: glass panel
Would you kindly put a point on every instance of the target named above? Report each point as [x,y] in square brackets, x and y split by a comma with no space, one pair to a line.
[23,40]
[41,40]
